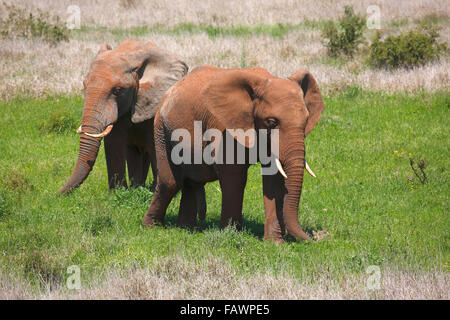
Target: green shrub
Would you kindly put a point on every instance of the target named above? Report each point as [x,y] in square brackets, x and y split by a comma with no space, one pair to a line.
[344,37]
[41,267]
[406,50]
[15,180]
[59,121]
[99,224]
[132,198]
[5,204]
[24,24]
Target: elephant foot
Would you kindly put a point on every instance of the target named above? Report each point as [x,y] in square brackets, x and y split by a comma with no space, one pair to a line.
[274,229]
[236,224]
[276,240]
[150,221]
[187,225]
[187,220]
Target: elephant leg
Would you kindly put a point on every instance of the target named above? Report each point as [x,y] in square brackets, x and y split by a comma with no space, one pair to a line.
[233,179]
[152,162]
[166,186]
[115,154]
[200,201]
[145,167]
[161,199]
[187,214]
[135,163]
[274,192]
[152,153]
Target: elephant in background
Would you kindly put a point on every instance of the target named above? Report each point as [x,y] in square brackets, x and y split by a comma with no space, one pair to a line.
[122,92]
[236,99]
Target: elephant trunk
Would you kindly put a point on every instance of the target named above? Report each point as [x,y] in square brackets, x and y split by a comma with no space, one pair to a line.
[294,165]
[86,159]
[89,146]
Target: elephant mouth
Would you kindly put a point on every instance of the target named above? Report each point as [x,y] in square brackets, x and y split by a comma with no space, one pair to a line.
[96,135]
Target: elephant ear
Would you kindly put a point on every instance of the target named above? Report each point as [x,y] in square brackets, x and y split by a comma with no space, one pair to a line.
[157,71]
[229,97]
[104,47]
[312,97]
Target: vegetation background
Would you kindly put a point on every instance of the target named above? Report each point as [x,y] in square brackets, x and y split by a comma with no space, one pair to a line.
[370,205]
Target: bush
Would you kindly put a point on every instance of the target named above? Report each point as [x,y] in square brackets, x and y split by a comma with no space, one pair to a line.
[99,224]
[5,204]
[344,37]
[44,268]
[406,50]
[59,121]
[15,180]
[132,198]
[24,24]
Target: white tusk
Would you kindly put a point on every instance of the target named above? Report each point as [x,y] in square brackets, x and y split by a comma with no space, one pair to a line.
[309,170]
[79,129]
[99,135]
[280,168]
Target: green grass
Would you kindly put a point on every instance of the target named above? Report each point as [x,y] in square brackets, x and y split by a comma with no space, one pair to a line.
[365,195]
[277,31]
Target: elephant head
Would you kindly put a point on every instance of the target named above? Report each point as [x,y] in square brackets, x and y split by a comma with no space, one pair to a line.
[127,81]
[253,99]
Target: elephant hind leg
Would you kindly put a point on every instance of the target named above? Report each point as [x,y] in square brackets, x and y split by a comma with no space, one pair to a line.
[200,201]
[162,197]
[152,156]
[167,184]
[232,182]
[187,214]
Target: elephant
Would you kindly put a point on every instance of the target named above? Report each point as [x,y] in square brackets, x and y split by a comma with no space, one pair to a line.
[227,99]
[122,91]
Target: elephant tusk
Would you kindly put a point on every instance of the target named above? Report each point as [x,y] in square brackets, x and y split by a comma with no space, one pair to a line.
[97,135]
[309,170]
[280,168]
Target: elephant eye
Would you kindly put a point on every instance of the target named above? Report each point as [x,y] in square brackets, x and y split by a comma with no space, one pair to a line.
[271,122]
[117,91]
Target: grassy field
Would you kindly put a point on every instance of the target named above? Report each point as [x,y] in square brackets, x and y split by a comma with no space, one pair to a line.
[367,204]
[366,196]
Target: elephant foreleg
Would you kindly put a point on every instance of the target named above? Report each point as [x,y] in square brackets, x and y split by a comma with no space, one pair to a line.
[138,163]
[274,192]
[115,150]
[145,166]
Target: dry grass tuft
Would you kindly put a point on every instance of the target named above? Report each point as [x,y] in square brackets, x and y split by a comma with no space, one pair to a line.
[118,13]
[32,68]
[175,278]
